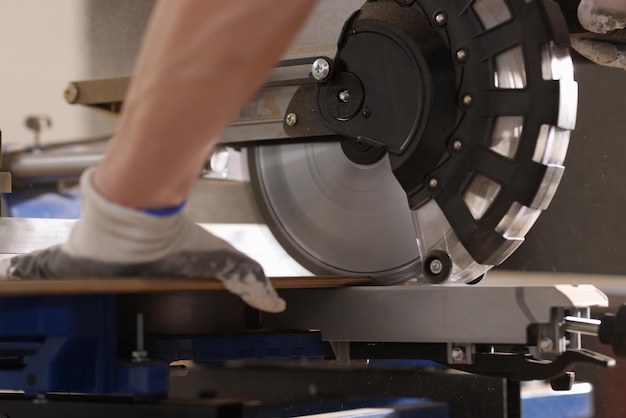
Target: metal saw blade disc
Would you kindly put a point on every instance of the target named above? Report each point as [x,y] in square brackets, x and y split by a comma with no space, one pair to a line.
[518,99]
[335,216]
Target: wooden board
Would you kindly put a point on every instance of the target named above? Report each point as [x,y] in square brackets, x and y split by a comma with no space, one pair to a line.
[156,285]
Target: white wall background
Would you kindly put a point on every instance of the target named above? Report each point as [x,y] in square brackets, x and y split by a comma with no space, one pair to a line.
[44,44]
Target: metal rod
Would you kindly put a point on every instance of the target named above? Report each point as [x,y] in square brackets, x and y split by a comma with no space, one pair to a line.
[585,326]
[140,344]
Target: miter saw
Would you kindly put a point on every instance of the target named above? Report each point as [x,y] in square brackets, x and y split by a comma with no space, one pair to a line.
[421,147]
[424,149]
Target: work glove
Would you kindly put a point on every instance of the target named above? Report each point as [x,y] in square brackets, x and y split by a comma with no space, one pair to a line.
[606,18]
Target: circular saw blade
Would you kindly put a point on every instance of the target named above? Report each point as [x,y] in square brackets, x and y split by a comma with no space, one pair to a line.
[338,217]
[335,216]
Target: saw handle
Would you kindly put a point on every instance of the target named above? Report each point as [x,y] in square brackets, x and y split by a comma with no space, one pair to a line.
[612,331]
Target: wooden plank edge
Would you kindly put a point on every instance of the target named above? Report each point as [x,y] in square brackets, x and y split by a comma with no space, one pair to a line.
[157,285]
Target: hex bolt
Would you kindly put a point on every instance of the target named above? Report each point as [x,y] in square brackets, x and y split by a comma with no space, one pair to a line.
[468,100]
[546,344]
[457,354]
[433,183]
[320,69]
[461,55]
[344,96]
[435,266]
[441,19]
[291,119]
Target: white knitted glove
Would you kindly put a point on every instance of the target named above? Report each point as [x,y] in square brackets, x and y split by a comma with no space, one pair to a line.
[111,240]
[602,17]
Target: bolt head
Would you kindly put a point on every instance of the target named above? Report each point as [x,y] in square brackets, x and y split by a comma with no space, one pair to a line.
[38,123]
[436,266]
[71,93]
[433,183]
[546,344]
[461,55]
[468,100]
[320,69]
[457,354]
[440,19]
[457,145]
[291,119]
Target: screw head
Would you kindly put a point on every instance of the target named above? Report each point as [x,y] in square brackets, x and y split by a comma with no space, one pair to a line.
[441,19]
[433,183]
[344,96]
[291,119]
[320,69]
[365,112]
[457,145]
[435,266]
[468,100]
[457,354]
[546,344]
[461,55]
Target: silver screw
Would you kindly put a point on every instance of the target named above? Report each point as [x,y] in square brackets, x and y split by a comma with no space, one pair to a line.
[440,19]
[344,95]
[436,266]
[291,119]
[546,344]
[468,100]
[461,55]
[457,145]
[433,183]
[320,69]
[457,354]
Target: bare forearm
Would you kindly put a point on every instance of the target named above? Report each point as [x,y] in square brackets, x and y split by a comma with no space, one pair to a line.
[200,63]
